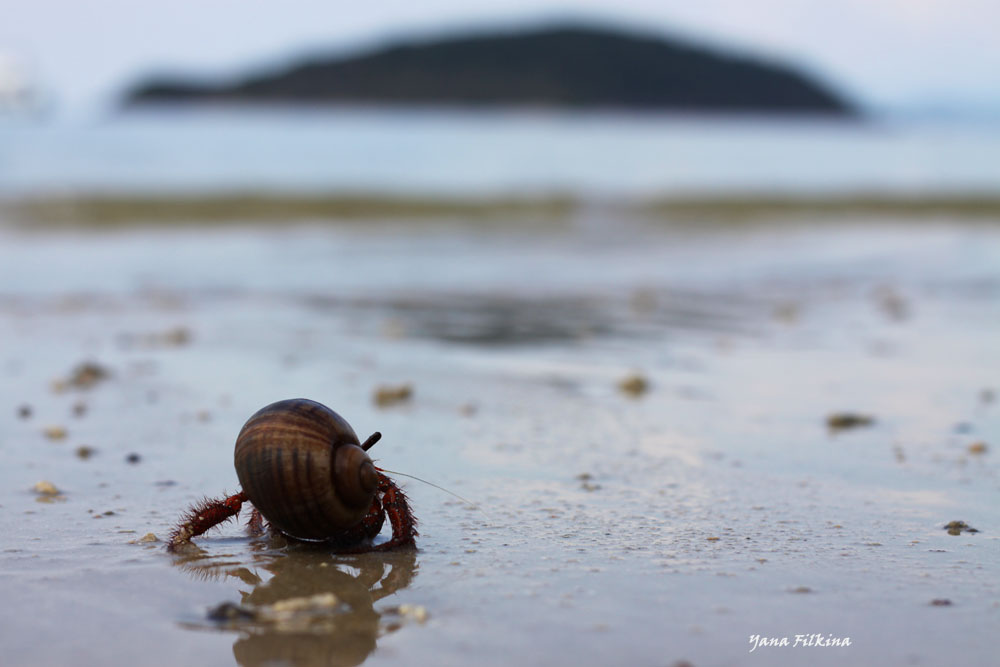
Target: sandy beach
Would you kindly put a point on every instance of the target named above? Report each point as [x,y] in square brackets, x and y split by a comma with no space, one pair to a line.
[671,439]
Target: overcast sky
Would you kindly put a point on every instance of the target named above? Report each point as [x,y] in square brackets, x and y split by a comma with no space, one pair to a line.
[83,53]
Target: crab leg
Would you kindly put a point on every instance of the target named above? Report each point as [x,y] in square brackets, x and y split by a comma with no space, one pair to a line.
[204,515]
[396,507]
[389,502]
[255,524]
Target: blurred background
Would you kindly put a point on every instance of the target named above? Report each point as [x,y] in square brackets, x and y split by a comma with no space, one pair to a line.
[908,101]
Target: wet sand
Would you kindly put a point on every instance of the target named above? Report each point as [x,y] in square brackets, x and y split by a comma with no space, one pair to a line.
[653,522]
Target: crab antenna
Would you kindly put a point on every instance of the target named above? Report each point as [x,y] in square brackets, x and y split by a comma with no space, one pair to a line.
[439,488]
[370,442]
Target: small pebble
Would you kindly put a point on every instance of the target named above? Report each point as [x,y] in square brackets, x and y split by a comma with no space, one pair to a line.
[959,527]
[941,602]
[46,488]
[230,611]
[310,603]
[55,432]
[893,304]
[847,420]
[79,409]
[387,395]
[786,312]
[634,385]
[176,337]
[133,458]
[978,448]
[587,483]
[24,412]
[417,612]
[85,451]
[84,376]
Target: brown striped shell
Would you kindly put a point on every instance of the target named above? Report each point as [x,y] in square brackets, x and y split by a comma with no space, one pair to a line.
[302,466]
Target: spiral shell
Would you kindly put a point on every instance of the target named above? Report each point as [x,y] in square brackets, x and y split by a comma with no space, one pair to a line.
[302,466]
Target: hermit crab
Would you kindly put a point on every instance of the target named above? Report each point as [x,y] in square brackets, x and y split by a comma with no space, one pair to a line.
[306,473]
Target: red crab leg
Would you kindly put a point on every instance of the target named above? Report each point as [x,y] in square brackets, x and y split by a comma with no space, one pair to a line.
[255,525]
[204,515]
[389,501]
[404,524]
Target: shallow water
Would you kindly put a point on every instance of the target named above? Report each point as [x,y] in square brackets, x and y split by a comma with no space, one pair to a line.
[608,529]
[597,155]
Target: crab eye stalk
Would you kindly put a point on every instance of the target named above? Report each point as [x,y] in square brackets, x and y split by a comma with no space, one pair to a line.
[370,442]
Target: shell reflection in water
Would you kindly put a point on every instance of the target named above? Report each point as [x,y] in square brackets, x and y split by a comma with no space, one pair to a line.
[313,609]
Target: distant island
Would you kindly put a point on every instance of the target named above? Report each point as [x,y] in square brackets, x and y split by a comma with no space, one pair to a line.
[559,67]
